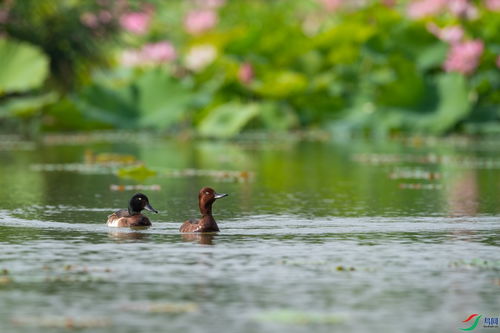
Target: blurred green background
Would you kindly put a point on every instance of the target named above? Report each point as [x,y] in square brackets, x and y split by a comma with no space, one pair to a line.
[216,68]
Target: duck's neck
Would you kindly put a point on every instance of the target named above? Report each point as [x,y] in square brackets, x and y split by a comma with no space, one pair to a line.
[207,220]
[206,209]
[132,212]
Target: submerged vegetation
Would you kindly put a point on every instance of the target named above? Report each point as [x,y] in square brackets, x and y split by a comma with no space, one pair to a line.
[216,68]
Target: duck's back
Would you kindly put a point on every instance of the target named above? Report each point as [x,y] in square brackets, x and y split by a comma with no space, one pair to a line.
[122,218]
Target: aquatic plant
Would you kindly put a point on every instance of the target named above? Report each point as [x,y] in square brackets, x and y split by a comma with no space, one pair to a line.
[217,68]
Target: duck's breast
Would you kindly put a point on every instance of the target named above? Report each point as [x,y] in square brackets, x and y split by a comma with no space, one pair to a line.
[199,226]
[138,220]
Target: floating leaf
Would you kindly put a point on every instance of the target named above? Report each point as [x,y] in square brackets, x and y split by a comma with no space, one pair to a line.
[136,172]
[114,187]
[292,317]
[414,174]
[62,322]
[162,307]
[221,175]
[420,186]
[344,268]
[477,263]
[5,280]
[74,167]
[108,158]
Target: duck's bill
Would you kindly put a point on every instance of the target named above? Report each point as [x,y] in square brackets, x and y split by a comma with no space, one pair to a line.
[151,209]
[220,195]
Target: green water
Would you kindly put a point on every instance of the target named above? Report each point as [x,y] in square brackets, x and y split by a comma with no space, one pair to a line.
[315,236]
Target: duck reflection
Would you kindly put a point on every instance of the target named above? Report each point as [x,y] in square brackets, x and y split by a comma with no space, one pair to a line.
[463,195]
[124,236]
[201,238]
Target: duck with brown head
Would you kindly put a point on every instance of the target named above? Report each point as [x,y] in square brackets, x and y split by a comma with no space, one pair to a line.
[206,198]
[132,216]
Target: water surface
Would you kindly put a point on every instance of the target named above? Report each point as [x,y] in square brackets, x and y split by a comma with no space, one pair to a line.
[364,237]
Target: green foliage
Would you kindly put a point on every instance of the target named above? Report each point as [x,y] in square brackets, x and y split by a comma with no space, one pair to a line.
[454,104]
[24,67]
[65,115]
[431,56]
[57,28]
[228,119]
[281,84]
[26,106]
[114,107]
[272,65]
[150,100]
[162,100]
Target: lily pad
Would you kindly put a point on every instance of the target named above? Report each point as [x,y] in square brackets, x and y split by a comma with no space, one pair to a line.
[139,172]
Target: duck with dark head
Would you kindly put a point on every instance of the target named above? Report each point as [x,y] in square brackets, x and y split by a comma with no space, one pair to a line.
[206,198]
[132,216]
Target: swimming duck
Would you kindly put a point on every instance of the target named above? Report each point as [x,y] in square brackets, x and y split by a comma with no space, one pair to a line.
[206,197]
[132,216]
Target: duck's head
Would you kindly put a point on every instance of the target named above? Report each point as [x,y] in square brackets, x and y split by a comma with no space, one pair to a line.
[207,197]
[139,202]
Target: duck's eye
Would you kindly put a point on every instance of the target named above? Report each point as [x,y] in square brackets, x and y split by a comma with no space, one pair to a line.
[139,198]
[207,193]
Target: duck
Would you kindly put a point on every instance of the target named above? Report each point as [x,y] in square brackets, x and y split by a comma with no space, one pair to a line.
[206,198]
[132,216]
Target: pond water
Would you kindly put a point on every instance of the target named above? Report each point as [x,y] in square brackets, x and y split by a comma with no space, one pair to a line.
[315,236]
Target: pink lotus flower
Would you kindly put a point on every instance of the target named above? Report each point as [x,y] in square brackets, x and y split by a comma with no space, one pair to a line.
[136,22]
[213,4]
[464,57]
[331,5]
[159,52]
[452,34]
[131,58]
[199,21]
[4,15]
[424,8]
[462,8]
[90,20]
[389,3]
[149,54]
[200,57]
[105,16]
[245,73]
[493,5]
